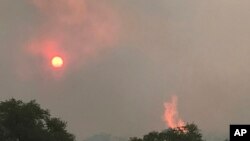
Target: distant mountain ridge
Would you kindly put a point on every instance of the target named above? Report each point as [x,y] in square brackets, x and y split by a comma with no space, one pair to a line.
[105,137]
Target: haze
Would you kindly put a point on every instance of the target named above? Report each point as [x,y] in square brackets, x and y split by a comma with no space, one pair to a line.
[196,50]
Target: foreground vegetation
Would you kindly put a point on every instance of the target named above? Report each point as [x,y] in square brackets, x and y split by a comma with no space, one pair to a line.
[28,122]
[190,132]
[21,121]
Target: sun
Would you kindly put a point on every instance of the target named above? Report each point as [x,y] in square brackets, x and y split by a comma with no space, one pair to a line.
[57,62]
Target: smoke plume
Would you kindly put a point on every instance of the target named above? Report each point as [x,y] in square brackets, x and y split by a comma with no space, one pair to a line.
[74,29]
[171,115]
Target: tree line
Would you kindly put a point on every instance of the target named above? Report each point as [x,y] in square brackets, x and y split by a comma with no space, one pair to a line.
[20,121]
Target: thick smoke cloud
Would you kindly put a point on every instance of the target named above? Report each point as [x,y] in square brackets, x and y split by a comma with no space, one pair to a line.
[198,50]
[74,29]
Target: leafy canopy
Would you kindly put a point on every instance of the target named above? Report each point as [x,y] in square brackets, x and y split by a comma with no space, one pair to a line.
[190,132]
[21,121]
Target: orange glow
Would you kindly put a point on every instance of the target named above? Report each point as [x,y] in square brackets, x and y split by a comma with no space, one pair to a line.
[57,62]
[171,115]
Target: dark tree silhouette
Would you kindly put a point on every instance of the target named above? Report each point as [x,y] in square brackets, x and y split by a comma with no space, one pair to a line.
[190,132]
[21,121]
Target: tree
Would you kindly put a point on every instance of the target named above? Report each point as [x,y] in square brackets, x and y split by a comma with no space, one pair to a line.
[21,121]
[190,132]
[135,139]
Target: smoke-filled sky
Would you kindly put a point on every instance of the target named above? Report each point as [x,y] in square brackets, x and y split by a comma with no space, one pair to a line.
[125,58]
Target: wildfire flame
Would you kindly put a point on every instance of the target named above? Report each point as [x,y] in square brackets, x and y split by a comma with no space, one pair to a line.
[171,115]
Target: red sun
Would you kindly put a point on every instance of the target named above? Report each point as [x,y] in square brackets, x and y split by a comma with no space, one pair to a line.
[57,62]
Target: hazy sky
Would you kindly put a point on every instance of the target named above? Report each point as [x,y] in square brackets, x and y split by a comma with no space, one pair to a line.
[144,52]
